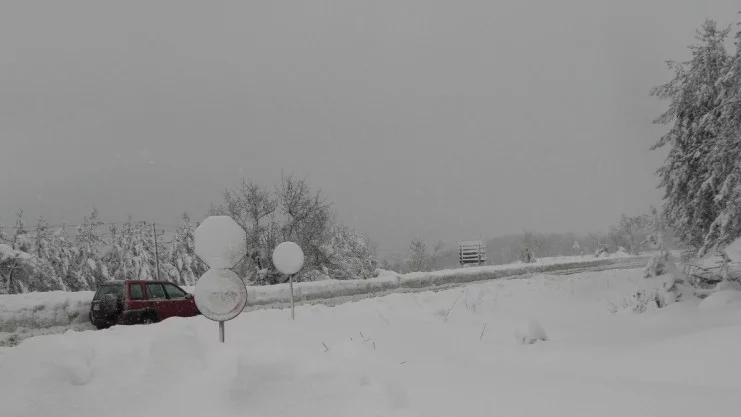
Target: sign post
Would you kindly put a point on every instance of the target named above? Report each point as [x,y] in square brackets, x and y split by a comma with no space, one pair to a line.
[288,259]
[219,294]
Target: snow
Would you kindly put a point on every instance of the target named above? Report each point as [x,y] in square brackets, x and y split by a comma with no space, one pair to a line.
[529,331]
[40,312]
[396,356]
[734,250]
[288,258]
[6,252]
[43,309]
[220,294]
[220,242]
[720,299]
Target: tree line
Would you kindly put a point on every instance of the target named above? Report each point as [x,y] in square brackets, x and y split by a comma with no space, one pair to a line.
[43,257]
[627,234]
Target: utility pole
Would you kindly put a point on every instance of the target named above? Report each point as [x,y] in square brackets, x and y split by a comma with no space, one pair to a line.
[156,253]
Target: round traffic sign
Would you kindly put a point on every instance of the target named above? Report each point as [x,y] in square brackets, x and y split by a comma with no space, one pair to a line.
[288,258]
[220,242]
[220,295]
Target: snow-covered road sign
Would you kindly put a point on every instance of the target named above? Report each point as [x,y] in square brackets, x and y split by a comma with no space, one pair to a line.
[220,242]
[220,295]
[288,258]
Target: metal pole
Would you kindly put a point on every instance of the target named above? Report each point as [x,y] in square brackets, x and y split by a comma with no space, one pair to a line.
[156,253]
[221,331]
[290,282]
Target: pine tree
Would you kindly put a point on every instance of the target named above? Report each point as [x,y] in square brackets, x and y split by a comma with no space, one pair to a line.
[3,235]
[418,259]
[45,276]
[89,272]
[726,156]
[113,258]
[134,251]
[691,176]
[15,270]
[181,263]
[21,240]
[62,256]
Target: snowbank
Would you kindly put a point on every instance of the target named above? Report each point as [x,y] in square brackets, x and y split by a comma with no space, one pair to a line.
[43,309]
[393,356]
[54,309]
[720,299]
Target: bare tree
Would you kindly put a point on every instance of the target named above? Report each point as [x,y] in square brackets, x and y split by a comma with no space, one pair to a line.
[249,205]
[307,217]
[418,259]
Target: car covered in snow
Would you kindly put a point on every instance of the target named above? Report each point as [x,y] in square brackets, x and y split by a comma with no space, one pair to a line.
[139,302]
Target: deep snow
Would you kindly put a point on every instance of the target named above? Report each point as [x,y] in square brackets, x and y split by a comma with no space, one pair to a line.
[450,353]
[25,315]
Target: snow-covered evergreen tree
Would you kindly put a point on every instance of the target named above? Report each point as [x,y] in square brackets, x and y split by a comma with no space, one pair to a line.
[45,276]
[181,263]
[114,258]
[63,254]
[89,271]
[696,170]
[22,240]
[133,252]
[726,156]
[15,270]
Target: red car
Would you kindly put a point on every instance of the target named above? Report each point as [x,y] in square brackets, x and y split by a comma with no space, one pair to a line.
[139,302]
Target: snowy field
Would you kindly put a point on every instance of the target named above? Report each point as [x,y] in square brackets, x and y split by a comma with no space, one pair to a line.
[449,353]
[27,315]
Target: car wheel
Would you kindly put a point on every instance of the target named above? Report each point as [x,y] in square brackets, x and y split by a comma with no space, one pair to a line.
[150,318]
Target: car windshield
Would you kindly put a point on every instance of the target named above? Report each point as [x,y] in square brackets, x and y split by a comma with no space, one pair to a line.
[116,289]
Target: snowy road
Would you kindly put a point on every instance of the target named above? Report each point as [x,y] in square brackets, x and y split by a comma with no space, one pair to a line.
[334,301]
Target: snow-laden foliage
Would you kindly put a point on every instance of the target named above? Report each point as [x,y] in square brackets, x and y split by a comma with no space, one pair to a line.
[15,270]
[45,276]
[629,232]
[89,271]
[294,212]
[182,265]
[349,255]
[701,173]
[42,258]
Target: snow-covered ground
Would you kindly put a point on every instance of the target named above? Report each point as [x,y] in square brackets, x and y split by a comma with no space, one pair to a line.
[30,314]
[451,353]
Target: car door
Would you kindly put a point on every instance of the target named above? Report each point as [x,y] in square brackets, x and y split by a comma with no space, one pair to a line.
[135,299]
[157,300]
[181,305]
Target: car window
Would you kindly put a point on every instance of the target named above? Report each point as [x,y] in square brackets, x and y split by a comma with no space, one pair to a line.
[174,292]
[115,289]
[136,292]
[155,291]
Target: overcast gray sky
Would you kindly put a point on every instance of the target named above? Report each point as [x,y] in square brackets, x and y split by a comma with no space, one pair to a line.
[438,119]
